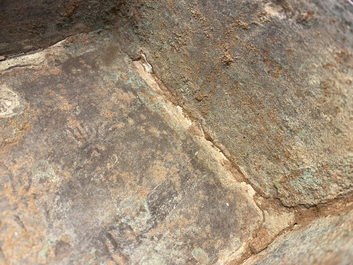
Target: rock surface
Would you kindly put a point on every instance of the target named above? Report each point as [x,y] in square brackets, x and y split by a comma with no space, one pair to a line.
[177,132]
[327,240]
[271,81]
[28,25]
[97,167]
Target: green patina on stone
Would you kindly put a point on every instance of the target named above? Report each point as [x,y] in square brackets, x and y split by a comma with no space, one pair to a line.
[200,255]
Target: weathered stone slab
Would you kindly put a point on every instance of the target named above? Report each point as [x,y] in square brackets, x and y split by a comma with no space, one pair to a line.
[271,82]
[96,167]
[138,145]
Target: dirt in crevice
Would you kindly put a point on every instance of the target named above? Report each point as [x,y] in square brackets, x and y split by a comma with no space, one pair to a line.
[337,206]
[305,215]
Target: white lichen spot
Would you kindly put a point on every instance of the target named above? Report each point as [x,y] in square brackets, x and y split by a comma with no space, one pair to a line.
[275,11]
[9,103]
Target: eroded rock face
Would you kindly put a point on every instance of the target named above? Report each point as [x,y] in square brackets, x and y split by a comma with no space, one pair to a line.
[189,132]
[107,171]
[271,80]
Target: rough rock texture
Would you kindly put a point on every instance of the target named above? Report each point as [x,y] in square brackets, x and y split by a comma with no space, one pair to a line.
[28,25]
[275,220]
[96,167]
[327,240]
[178,132]
[271,81]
